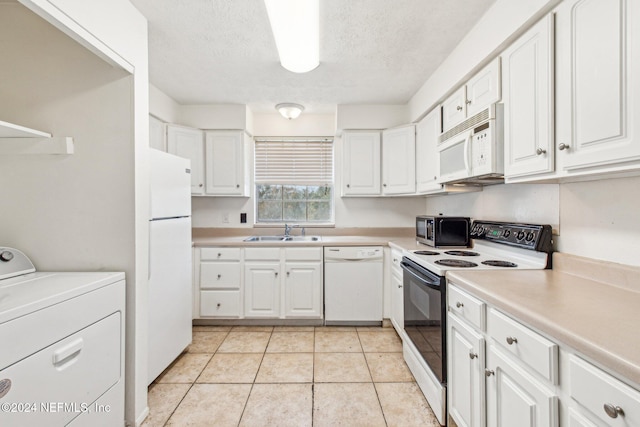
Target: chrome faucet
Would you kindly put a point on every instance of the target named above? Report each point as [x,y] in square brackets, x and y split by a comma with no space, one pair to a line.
[287,230]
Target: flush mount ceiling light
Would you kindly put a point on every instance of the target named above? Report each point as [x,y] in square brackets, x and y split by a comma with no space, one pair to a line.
[289,110]
[296,27]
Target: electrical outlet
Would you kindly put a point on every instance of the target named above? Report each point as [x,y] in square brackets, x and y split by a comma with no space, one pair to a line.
[225,218]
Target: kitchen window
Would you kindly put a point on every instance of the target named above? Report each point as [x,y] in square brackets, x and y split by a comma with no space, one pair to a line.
[294,180]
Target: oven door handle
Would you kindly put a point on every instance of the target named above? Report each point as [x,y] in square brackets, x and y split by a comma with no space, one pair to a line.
[423,280]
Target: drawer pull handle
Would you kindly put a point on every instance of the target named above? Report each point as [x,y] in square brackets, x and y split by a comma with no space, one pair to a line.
[512,340]
[218,305]
[612,410]
[563,146]
[219,276]
[288,273]
[472,355]
[459,107]
[459,304]
[219,254]
[488,372]
[400,286]
[65,354]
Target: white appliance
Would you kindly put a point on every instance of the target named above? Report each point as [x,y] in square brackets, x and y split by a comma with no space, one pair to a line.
[496,245]
[472,152]
[353,285]
[170,266]
[63,362]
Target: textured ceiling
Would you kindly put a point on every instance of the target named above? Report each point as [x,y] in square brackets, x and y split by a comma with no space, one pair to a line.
[371,51]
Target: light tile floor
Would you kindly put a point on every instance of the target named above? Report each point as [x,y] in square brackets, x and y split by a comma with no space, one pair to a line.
[289,376]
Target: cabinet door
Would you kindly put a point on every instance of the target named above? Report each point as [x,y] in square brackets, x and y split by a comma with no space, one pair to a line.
[397,303]
[598,73]
[361,164]
[225,163]
[466,374]
[303,289]
[454,109]
[399,161]
[187,143]
[528,102]
[262,289]
[515,398]
[427,167]
[483,89]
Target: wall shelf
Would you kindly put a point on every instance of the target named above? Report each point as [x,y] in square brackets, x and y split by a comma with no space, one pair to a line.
[16,139]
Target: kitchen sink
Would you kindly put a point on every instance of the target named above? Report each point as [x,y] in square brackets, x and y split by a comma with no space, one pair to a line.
[282,239]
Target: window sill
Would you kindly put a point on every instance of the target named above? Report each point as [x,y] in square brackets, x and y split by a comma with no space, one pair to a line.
[298,225]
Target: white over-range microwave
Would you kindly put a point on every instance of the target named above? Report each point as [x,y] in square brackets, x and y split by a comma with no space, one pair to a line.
[472,152]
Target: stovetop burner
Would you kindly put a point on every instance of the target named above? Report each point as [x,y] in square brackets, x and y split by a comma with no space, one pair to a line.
[498,263]
[426,253]
[456,263]
[462,253]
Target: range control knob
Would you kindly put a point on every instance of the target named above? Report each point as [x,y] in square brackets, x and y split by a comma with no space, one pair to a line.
[506,233]
[520,235]
[6,256]
[530,236]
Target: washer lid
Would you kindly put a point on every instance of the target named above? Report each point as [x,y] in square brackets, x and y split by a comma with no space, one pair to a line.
[14,263]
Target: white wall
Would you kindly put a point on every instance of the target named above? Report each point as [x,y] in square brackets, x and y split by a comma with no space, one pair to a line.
[533,203]
[88,211]
[162,106]
[223,116]
[600,219]
[371,116]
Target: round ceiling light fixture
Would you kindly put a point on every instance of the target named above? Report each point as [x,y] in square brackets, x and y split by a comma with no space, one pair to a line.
[289,110]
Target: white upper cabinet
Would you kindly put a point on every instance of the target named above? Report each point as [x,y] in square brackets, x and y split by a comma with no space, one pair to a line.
[187,142]
[454,109]
[598,78]
[427,167]
[361,163]
[480,91]
[484,88]
[527,88]
[226,171]
[399,160]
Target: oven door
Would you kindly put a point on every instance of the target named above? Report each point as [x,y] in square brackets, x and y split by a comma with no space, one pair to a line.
[425,316]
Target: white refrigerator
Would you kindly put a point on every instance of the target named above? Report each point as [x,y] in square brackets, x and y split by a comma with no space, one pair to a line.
[170,266]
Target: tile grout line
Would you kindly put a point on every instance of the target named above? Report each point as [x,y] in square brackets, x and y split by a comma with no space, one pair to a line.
[375,389]
[255,378]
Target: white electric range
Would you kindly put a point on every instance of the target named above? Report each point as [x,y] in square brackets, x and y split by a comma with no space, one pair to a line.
[62,361]
[496,245]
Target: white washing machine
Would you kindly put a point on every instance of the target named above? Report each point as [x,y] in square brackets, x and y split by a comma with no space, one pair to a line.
[62,335]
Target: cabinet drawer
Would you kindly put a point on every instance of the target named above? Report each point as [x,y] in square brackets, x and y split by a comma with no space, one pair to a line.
[467,307]
[303,254]
[220,303]
[74,371]
[262,254]
[595,389]
[220,254]
[531,348]
[216,275]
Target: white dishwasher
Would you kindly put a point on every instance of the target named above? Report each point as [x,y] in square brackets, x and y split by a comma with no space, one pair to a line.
[353,285]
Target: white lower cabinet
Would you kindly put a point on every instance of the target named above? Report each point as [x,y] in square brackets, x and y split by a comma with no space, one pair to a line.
[604,397]
[508,388]
[303,289]
[262,289]
[466,374]
[259,283]
[514,397]
[397,293]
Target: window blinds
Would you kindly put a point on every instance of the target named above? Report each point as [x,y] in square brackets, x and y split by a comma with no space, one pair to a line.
[294,161]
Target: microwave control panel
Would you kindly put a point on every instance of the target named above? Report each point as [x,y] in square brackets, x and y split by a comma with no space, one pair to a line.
[482,149]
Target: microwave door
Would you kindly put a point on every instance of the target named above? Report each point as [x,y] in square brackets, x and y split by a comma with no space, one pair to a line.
[454,158]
